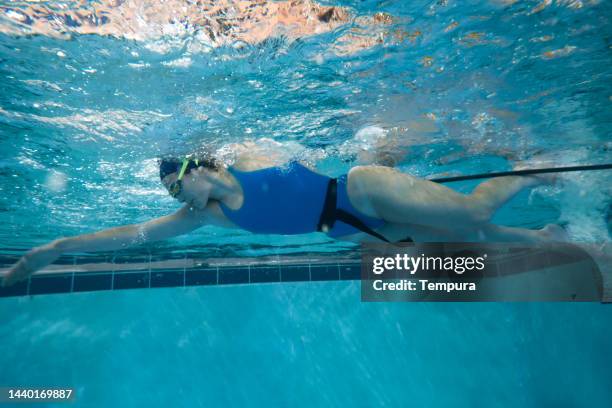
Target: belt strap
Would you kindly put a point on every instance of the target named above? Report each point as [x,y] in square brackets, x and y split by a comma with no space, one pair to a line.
[331,213]
[328,215]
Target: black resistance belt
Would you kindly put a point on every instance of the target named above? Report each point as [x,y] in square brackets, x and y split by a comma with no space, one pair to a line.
[331,213]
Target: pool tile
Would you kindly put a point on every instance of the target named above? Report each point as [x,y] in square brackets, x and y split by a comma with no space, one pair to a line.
[263,274]
[18,289]
[107,280]
[88,282]
[131,280]
[350,272]
[233,275]
[167,278]
[201,276]
[50,284]
[324,272]
[295,273]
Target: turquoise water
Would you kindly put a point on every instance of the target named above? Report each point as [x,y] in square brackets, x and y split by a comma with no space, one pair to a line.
[306,345]
[466,89]
[460,87]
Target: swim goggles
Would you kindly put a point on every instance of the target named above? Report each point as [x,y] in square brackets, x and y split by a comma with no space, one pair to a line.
[176,187]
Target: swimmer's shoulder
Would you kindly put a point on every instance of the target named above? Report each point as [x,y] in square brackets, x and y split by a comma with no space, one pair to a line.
[250,156]
[248,162]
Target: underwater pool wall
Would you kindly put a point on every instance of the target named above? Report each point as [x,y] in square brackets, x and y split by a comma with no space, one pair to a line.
[121,270]
[83,274]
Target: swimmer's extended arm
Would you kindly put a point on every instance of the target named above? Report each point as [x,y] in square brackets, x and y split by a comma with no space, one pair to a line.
[181,222]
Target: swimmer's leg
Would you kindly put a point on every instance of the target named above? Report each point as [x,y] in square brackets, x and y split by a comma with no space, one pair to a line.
[400,198]
[484,233]
[494,193]
[497,233]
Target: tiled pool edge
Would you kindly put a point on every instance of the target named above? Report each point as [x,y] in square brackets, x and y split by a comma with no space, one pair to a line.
[76,273]
[75,278]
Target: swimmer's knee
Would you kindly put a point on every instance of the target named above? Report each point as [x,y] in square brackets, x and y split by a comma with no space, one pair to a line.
[358,169]
[477,211]
[372,173]
[363,169]
[360,175]
[478,215]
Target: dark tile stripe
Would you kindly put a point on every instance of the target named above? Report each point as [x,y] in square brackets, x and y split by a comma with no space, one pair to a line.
[233,275]
[131,280]
[350,271]
[107,280]
[88,282]
[324,272]
[265,274]
[60,283]
[18,289]
[295,273]
[201,276]
[166,279]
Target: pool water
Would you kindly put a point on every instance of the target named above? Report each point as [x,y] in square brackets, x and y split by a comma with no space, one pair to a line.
[464,88]
[459,87]
[305,344]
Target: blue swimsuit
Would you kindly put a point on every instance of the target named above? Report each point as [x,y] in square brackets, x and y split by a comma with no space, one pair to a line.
[296,200]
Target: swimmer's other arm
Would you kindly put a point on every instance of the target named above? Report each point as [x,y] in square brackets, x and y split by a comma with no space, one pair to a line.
[181,222]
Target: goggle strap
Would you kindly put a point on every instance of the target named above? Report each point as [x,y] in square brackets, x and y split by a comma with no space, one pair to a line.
[183,169]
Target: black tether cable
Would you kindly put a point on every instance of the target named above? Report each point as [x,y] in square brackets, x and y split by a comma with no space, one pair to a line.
[523,172]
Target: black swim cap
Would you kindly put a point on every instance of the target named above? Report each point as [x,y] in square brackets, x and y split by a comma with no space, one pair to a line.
[168,166]
[173,165]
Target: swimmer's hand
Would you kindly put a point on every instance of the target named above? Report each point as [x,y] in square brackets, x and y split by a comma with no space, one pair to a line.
[34,260]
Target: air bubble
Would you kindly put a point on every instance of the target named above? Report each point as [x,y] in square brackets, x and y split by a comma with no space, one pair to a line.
[56,181]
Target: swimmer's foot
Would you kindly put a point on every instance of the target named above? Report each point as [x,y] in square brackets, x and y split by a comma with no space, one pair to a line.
[554,232]
[546,179]
[539,179]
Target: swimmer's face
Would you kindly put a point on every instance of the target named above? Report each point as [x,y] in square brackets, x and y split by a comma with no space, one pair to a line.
[195,187]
